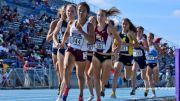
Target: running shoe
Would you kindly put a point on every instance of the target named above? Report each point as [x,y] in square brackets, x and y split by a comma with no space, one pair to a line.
[59,88]
[91,98]
[154,93]
[124,80]
[113,95]
[98,99]
[65,93]
[146,92]
[80,98]
[133,91]
[59,98]
[153,96]
[102,93]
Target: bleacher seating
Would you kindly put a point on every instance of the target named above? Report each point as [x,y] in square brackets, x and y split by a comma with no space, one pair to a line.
[38,40]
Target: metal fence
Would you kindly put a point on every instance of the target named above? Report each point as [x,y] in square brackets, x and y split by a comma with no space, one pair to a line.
[34,78]
[47,78]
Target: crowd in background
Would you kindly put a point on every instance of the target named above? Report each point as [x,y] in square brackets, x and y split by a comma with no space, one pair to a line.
[16,44]
[16,34]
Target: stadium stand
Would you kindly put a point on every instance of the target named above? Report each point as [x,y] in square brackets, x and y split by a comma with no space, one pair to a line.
[23,28]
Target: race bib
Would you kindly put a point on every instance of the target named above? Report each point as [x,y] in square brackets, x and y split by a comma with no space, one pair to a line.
[150,58]
[124,48]
[90,47]
[84,55]
[137,53]
[100,45]
[76,39]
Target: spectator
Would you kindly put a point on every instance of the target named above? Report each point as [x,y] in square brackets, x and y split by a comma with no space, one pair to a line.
[0,77]
[45,75]
[46,2]
[5,66]
[26,75]
[168,78]
[157,40]
[31,57]
[5,80]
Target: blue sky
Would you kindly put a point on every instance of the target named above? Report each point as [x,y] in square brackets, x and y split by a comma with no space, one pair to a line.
[161,17]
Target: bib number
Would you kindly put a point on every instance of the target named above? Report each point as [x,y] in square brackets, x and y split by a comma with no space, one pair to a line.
[137,53]
[84,55]
[124,48]
[150,58]
[100,45]
[90,47]
[76,40]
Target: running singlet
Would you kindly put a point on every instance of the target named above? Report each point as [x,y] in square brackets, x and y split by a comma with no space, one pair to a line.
[139,52]
[90,47]
[124,48]
[151,55]
[53,44]
[76,39]
[62,31]
[103,40]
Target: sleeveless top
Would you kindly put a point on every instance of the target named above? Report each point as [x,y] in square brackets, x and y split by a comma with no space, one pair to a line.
[62,31]
[103,42]
[53,44]
[151,55]
[76,39]
[139,52]
[128,50]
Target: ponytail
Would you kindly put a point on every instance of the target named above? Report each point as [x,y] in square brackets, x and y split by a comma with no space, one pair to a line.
[62,8]
[112,11]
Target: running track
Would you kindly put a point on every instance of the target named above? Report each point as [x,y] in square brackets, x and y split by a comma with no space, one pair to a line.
[163,94]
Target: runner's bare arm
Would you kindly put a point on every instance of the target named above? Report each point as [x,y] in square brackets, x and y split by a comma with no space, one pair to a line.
[113,31]
[66,34]
[55,32]
[52,26]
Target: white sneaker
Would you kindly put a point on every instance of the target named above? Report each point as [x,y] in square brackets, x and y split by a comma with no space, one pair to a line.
[153,96]
[59,98]
[90,98]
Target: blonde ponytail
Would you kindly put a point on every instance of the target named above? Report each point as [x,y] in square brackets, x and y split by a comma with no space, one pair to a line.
[112,11]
